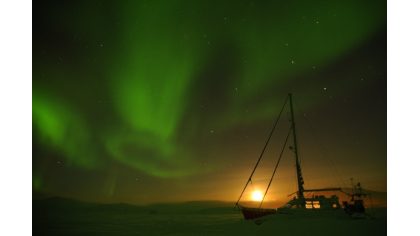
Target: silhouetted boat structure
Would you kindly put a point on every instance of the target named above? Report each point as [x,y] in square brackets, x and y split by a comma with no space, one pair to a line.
[316,202]
[356,206]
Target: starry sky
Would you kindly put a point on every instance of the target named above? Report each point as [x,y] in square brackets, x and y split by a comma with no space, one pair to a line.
[161,101]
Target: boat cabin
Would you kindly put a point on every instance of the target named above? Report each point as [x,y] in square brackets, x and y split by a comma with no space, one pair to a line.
[315,202]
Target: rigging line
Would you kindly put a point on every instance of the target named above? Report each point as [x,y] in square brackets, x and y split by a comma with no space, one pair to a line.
[265,146]
[277,164]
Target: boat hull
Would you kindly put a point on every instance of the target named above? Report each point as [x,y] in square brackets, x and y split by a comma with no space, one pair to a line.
[254,213]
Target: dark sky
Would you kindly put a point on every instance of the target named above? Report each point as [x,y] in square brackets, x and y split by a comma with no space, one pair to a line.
[149,101]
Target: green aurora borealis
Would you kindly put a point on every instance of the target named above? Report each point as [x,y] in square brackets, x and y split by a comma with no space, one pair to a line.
[147,101]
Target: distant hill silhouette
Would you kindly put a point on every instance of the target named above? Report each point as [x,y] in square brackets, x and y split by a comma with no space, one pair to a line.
[375,199]
[70,205]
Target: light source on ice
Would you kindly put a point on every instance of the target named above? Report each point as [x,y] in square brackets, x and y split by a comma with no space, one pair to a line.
[257,196]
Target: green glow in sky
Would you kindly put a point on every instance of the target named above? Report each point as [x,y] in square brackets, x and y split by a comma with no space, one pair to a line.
[62,129]
[148,85]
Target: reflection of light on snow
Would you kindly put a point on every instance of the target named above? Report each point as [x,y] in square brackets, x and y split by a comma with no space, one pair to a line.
[257,195]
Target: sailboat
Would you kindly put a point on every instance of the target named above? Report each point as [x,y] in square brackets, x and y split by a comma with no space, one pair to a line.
[299,200]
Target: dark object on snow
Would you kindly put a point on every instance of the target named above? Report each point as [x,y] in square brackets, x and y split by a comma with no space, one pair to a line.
[356,205]
[253,213]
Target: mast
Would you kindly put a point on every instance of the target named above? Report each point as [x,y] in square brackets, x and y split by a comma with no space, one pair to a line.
[300,181]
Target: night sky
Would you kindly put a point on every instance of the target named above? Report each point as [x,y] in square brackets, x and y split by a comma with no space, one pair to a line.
[154,101]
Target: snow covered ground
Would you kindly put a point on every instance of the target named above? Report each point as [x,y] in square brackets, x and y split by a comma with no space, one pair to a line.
[66,217]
